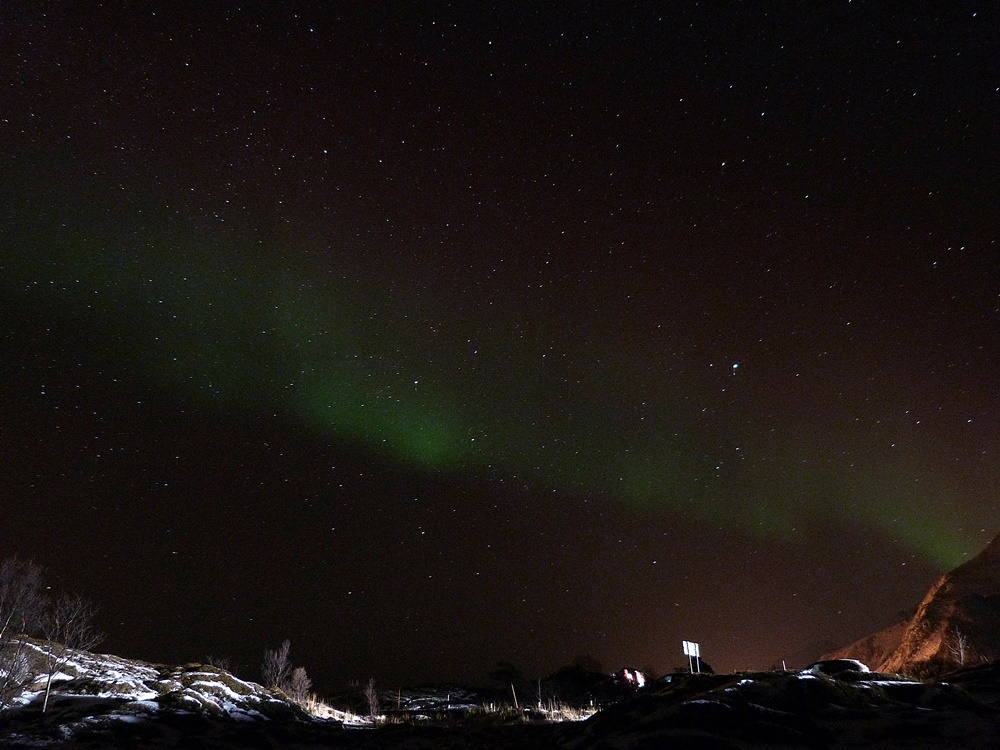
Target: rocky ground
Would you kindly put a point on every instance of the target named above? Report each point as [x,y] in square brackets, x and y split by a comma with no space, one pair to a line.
[106,702]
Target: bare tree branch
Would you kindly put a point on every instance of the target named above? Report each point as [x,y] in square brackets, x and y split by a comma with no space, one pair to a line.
[22,606]
[959,646]
[276,667]
[297,686]
[68,626]
[371,695]
[22,598]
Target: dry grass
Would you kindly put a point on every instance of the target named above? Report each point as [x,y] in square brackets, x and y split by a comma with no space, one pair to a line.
[551,712]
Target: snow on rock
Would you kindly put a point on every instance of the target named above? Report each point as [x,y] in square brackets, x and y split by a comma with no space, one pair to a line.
[141,687]
[103,702]
[836,666]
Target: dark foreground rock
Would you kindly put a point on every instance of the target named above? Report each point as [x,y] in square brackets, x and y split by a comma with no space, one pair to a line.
[802,709]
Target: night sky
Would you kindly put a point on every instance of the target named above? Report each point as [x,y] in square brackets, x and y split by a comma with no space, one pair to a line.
[429,335]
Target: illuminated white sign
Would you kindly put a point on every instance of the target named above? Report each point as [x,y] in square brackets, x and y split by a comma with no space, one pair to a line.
[693,652]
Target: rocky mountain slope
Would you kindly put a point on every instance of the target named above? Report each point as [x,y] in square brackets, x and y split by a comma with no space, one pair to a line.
[957,624]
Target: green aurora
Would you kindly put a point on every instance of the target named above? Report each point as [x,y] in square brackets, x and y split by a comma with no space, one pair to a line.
[367,360]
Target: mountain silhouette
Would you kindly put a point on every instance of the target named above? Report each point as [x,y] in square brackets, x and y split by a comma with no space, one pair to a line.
[957,624]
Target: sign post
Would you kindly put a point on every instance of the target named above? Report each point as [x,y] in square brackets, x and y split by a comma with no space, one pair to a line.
[693,652]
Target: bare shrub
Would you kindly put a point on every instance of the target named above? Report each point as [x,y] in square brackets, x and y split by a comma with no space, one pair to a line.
[68,625]
[22,607]
[220,662]
[959,646]
[297,686]
[16,670]
[22,599]
[276,667]
[278,674]
[372,697]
